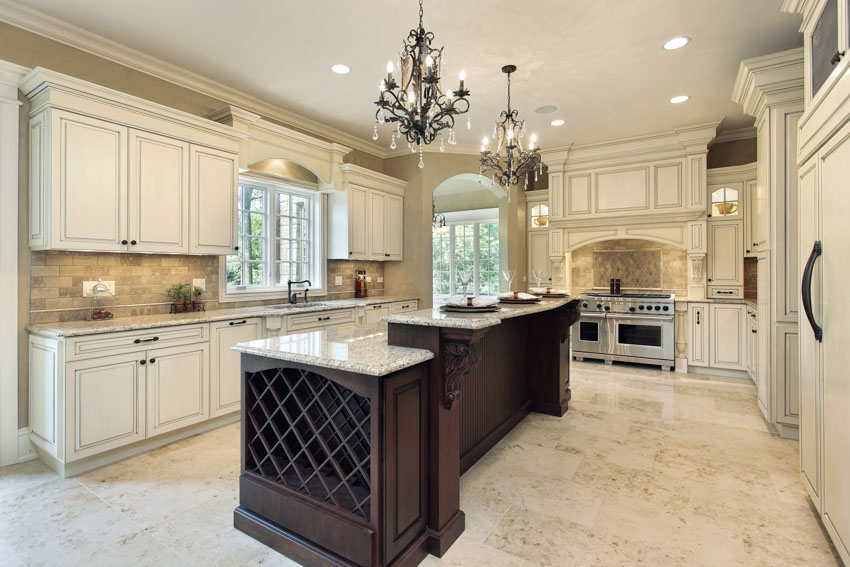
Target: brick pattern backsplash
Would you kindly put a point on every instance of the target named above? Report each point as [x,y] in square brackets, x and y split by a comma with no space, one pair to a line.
[56,282]
[641,265]
[750,278]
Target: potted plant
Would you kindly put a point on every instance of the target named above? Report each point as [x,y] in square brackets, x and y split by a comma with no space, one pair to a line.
[179,294]
[196,300]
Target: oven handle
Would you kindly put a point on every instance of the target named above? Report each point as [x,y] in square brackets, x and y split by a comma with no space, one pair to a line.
[644,317]
[594,315]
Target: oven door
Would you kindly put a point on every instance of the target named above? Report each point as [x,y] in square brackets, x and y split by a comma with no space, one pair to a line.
[641,335]
[591,335]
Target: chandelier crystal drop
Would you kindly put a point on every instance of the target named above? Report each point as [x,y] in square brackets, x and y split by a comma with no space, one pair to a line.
[510,161]
[416,103]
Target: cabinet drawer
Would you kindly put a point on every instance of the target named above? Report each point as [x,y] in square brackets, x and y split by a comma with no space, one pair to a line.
[320,319]
[720,292]
[80,348]
[401,306]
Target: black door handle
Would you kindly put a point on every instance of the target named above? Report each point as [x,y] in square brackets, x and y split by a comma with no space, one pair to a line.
[124,242]
[808,273]
[152,360]
[242,322]
[133,242]
[836,57]
[697,317]
[323,319]
[137,341]
[143,362]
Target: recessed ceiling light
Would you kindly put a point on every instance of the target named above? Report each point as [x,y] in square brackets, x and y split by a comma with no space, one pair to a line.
[548,109]
[676,43]
[680,98]
[558,122]
[341,69]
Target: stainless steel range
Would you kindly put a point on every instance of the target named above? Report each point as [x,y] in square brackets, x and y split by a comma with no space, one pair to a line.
[628,327]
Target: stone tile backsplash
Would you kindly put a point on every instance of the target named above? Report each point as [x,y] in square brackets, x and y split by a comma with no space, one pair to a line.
[56,282]
[641,265]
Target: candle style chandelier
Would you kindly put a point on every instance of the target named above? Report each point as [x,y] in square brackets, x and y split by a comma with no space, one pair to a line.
[417,104]
[516,161]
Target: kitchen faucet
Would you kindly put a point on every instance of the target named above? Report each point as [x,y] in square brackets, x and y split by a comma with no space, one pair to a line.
[293,297]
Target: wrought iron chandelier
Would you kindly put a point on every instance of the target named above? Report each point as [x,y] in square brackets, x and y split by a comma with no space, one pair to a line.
[516,162]
[438,222]
[417,104]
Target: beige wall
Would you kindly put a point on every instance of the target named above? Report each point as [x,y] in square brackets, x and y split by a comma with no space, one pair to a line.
[735,152]
[641,265]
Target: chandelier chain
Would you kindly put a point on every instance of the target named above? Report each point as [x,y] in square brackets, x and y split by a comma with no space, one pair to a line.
[421,13]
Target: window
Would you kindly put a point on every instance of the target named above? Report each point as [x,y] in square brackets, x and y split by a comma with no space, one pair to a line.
[470,246]
[724,202]
[539,216]
[279,239]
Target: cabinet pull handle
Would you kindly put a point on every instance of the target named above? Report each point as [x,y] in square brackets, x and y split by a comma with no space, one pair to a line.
[719,292]
[324,318]
[808,273]
[143,362]
[124,242]
[836,57]
[697,317]
[242,322]
[137,341]
[405,306]
[152,360]
[753,331]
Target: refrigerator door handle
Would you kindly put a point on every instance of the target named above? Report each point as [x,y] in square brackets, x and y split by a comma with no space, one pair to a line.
[806,289]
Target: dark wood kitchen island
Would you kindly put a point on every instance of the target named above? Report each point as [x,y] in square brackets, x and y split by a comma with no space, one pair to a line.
[354,440]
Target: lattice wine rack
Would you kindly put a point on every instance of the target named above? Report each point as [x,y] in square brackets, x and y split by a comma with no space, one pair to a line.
[311,435]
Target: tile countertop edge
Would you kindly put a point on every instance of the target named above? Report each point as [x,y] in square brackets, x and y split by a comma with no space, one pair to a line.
[367,352]
[473,321]
[143,322]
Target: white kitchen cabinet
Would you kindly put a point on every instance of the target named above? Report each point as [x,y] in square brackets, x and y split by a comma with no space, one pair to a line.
[403,306]
[727,345]
[365,220]
[725,254]
[158,219]
[177,381]
[698,336]
[377,225]
[225,364]
[394,223]
[115,173]
[105,404]
[78,179]
[306,322]
[538,257]
[375,312]
[750,189]
[752,343]
[214,179]
[764,383]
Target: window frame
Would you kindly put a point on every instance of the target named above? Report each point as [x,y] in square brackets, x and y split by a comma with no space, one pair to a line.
[475,218]
[317,268]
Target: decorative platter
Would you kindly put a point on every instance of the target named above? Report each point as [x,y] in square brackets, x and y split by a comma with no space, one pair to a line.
[472,309]
[519,301]
[553,295]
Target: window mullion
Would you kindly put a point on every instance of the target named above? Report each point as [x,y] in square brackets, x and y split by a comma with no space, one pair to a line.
[451,260]
[476,249]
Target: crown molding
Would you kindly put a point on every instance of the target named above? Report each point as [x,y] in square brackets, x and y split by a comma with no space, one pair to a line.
[806,8]
[11,74]
[356,175]
[732,173]
[54,29]
[768,80]
[736,134]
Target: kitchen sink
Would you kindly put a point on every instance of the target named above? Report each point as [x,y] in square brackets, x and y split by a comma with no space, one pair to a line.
[296,305]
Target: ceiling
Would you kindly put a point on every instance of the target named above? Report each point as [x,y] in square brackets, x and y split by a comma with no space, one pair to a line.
[599,61]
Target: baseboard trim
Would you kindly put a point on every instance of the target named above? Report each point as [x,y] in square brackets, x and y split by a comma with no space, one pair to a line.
[705,370]
[26,450]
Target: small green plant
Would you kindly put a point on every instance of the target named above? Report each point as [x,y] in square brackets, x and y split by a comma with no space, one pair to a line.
[179,292]
[197,292]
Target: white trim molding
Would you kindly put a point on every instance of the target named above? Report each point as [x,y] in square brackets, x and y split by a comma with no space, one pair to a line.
[10,75]
[26,450]
[769,80]
[41,24]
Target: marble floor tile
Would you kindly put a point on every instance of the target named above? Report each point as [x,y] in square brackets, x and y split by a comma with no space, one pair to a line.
[648,468]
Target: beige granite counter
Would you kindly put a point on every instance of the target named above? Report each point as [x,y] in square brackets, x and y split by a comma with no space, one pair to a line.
[436,318]
[361,349]
[78,328]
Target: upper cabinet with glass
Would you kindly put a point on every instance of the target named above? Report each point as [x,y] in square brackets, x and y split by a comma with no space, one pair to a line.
[725,201]
[540,216]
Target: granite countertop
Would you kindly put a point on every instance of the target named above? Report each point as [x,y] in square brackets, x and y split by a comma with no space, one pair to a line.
[141,322]
[436,318]
[362,349]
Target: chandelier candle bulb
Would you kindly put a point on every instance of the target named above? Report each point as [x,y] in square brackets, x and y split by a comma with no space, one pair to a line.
[462,78]
[389,71]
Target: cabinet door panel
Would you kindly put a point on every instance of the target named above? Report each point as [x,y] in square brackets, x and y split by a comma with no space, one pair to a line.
[764,363]
[698,334]
[358,221]
[725,260]
[159,194]
[375,312]
[213,179]
[538,256]
[225,364]
[177,387]
[89,183]
[394,227]
[105,406]
[727,336]
[377,225]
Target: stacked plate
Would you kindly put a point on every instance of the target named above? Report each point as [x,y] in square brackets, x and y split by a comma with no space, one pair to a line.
[460,304]
[520,298]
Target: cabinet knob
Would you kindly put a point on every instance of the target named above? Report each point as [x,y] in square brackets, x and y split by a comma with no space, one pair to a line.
[350,253]
[152,360]
[143,362]
[748,251]
[236,248]
[709,279]
[754,331]
[124,242]
[133,242]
